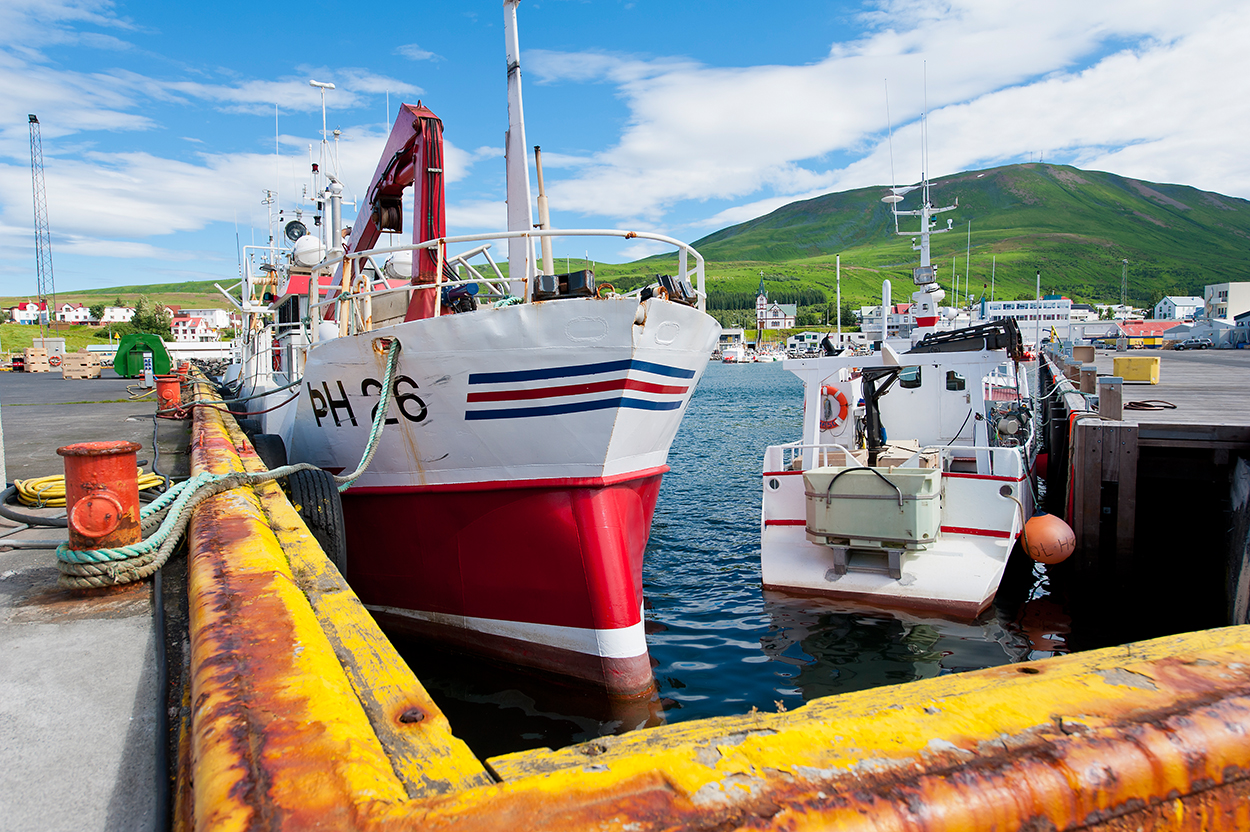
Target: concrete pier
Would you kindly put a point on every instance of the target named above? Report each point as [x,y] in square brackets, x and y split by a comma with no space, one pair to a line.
[78,676]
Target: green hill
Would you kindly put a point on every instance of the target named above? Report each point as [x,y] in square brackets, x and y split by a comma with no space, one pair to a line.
[1074,226]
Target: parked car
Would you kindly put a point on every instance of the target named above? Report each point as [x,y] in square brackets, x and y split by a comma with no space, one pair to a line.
[1195,344]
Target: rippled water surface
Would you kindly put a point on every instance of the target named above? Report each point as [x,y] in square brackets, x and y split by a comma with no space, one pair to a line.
[719,644]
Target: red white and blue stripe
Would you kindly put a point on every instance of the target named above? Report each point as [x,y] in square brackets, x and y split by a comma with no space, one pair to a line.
[577,388]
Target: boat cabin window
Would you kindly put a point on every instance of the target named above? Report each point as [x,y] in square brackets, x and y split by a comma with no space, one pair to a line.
[909,378]
[954,381]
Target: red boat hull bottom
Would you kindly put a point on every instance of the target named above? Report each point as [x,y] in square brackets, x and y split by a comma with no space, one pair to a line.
[546,577]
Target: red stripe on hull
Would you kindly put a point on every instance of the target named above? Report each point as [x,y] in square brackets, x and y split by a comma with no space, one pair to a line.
[562,556]
[574,390]
[620,676]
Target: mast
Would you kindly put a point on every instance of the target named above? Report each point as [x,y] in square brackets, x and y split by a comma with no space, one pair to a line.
[45,285]
[520,216]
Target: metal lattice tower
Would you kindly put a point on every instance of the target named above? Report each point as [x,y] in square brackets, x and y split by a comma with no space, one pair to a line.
[45,285]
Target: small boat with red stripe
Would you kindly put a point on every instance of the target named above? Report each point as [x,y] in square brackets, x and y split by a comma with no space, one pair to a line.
[517,465]
[913,480]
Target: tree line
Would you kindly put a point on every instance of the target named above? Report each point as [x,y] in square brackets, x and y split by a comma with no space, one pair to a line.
[746,300]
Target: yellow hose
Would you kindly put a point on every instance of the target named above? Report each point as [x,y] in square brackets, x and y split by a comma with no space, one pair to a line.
[49,492]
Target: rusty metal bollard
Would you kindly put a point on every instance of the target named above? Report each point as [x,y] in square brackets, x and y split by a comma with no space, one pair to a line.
[168,392]
[102,494]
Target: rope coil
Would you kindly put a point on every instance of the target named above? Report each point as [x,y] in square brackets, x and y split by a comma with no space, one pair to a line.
[171,512]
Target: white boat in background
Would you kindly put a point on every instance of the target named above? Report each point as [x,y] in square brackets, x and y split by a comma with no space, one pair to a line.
[912,480]
[510,500]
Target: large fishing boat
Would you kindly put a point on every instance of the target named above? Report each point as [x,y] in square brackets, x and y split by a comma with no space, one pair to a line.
[911,482]
[509,502]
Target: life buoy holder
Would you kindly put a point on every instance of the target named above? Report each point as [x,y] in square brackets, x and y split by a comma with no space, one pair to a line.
[829,395]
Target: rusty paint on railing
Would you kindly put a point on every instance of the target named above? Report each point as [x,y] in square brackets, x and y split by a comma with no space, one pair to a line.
[1154,735]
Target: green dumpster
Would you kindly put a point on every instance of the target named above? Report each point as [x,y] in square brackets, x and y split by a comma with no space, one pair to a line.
[129,360]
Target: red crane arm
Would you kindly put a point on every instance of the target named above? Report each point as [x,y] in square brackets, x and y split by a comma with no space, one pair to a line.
[413,156]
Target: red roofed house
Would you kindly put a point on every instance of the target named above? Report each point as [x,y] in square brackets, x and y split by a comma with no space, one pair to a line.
[29,312]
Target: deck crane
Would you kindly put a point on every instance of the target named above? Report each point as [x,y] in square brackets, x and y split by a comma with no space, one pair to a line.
[45,286]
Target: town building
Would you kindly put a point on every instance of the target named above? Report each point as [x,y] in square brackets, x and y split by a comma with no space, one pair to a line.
[1034,317]
[1178,308]
[773,315]
[29,312]
[1225,301]
[117,314]
[186,328]
[74,313]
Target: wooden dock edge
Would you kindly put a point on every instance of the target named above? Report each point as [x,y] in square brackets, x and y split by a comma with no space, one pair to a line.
[284,734]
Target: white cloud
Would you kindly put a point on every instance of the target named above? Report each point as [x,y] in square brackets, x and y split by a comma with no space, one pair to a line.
[1002,84]
[415,53]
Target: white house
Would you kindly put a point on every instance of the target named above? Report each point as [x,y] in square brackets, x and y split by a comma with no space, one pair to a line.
[213,318]
[899,324]
[186,328]
[29,312]
[117,314]
[1176,307]
[1226,300]
[74,313]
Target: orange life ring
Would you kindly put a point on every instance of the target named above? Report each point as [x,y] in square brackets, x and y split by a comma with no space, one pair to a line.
[827,420]
[54,360]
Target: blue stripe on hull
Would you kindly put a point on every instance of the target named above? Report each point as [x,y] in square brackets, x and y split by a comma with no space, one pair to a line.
[572,407]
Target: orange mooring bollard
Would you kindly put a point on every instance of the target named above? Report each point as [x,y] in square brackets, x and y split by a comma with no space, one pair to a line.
[102,494]
[183,369]
[169,393]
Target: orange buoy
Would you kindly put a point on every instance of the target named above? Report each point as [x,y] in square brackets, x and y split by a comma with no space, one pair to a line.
[1047,539]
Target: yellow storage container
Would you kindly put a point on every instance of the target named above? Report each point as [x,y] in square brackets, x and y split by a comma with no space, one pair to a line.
[1145,368]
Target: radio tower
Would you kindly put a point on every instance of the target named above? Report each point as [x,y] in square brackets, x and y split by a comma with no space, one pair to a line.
[45,286]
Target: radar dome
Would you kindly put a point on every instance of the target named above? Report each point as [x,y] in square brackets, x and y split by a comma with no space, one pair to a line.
[308,251]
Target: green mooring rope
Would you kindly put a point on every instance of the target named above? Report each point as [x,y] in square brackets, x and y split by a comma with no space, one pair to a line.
[171,512]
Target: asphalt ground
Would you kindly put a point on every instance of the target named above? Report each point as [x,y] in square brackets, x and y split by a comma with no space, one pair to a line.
[79,695]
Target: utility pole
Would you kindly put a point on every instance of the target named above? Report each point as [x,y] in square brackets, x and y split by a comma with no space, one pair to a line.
[45,286]
[1124,284]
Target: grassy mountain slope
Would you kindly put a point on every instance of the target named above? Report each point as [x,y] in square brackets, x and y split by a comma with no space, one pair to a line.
[1074,226]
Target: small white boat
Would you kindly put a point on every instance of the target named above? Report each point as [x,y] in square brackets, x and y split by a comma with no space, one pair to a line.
[911,482]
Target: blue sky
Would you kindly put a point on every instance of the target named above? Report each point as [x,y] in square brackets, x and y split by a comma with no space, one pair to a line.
[158,120]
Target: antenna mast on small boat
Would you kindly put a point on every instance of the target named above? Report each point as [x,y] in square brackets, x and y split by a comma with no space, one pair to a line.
[520,215]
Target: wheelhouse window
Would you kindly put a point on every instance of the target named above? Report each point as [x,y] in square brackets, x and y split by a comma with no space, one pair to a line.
[909,378]
[954,381]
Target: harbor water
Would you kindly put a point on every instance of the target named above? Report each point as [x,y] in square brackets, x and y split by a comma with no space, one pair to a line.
[719,644]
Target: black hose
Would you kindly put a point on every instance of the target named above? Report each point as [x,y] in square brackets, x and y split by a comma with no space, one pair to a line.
[29,519]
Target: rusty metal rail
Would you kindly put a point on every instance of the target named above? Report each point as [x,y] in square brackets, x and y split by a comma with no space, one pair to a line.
[298,711]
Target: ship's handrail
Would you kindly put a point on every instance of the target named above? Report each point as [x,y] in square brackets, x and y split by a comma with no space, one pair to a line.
[343,296]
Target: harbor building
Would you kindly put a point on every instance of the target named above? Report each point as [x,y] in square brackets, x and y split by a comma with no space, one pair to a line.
[1051,312]
[1178,308]
[1225,301]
